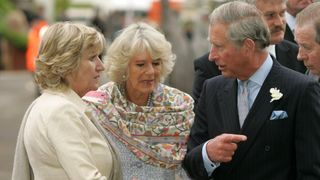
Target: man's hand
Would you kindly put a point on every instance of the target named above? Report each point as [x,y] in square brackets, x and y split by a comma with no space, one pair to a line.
[222,147]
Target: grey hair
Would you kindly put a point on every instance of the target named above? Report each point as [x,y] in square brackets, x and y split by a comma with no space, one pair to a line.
[132,40]
[308,16]
[60,52]
[253,2]
[244,20]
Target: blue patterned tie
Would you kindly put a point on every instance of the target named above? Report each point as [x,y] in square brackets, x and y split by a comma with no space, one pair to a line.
[243,104]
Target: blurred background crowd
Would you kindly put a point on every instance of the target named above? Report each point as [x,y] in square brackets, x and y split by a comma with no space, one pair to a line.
[184,22]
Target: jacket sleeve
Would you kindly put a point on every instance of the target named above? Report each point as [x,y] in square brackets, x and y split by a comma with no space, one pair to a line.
[193,161]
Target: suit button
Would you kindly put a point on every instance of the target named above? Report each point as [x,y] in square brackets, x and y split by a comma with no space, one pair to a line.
[267,148]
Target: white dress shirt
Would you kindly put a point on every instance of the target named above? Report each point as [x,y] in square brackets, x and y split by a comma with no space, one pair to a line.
[291,21]
[272,50]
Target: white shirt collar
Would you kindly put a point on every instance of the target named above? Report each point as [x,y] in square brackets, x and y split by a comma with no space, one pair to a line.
[313,76]
[272,50]
[291,21]
[261,74]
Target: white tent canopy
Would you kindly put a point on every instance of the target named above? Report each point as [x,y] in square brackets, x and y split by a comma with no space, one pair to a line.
[112,5]
[138,5]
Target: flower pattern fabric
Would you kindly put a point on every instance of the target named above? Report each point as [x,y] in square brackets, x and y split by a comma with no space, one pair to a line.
[156,134]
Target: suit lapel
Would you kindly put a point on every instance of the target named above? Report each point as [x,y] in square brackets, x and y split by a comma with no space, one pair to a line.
[283,56]
[288,35]
[259,113]
[228,103]
[281,47]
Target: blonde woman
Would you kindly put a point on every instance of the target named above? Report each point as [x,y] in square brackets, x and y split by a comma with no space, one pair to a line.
[148,121]
[56,138]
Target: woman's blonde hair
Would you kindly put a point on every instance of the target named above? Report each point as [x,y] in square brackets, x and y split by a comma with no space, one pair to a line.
[134,39]
[60,52]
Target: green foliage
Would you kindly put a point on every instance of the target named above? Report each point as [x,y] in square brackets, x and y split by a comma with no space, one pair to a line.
[17,39]
[61,6]
[5,7]
[82,5]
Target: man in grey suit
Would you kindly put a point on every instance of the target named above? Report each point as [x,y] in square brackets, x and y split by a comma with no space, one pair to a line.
[259,120]
[284,51]
[308,37]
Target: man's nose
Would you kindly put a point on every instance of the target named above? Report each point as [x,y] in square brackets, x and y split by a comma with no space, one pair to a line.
[301,54]
[279,20]
[212,54]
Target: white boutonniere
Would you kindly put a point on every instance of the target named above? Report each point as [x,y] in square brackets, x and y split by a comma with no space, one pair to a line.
[275,94]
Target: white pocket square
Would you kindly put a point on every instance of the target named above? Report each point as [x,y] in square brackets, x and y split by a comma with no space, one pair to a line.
[278,115]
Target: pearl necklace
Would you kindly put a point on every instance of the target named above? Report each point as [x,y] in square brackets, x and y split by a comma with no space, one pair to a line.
[122,91]
[149,102]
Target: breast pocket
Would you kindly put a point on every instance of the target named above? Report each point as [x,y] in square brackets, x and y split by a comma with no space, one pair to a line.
[279,132]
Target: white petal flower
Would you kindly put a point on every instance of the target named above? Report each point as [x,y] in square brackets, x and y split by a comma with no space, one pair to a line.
[275,94]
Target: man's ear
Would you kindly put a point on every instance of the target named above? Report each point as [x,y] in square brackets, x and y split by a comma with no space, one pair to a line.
[249,45]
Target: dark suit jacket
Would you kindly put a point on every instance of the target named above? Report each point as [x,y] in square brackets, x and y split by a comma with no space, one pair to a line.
[286,53]
[283,149]
[288,35]
[204,69]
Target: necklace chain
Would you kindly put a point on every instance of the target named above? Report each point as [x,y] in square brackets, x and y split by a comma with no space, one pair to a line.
[122,91]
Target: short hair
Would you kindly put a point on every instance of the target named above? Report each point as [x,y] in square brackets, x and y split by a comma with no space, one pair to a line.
[244,21]
[308,16]
[253,2]
[61,50]
[134,39]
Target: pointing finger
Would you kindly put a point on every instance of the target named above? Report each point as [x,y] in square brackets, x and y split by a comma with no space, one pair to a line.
[234,138]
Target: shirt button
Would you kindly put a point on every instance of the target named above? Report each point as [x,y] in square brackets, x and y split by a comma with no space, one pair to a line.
[212,165]
[267,148]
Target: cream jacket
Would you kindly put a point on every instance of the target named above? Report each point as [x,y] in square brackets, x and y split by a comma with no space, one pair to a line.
[61,142]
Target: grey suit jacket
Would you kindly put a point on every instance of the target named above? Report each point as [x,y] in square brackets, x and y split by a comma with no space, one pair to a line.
[281,149]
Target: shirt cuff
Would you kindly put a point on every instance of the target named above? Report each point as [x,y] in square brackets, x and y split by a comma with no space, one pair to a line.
[208,164]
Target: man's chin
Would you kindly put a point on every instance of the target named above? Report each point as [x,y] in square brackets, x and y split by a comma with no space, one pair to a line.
[276,40]
[314,72]
[227,74]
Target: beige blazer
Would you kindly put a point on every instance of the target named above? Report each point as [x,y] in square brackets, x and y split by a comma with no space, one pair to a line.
[59,142]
